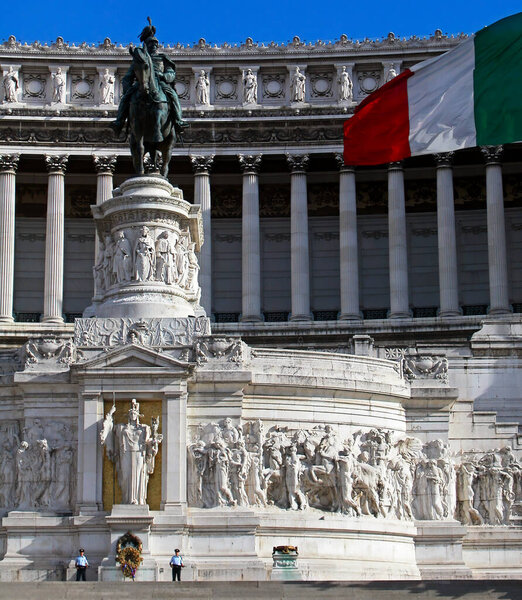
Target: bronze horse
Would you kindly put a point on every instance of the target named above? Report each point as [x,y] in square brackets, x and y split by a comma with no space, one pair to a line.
[149,112]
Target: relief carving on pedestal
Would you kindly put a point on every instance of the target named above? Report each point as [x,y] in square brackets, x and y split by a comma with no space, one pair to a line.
[365,474]
[37,466]
[159,333]
[168,257]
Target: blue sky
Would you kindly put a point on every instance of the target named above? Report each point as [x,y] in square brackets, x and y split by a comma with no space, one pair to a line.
[235,20]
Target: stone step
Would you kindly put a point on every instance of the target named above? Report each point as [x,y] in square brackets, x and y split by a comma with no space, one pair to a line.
[295,590]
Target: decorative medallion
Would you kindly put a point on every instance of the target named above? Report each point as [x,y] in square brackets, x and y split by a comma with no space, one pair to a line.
[321,84]
[368,81]
[226,87]
[274,85]
[34,85]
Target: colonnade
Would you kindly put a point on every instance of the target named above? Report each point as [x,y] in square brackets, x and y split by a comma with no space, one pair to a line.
[300,258]
[348,239]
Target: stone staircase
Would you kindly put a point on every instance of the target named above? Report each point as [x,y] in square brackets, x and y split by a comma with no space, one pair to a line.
[389,590]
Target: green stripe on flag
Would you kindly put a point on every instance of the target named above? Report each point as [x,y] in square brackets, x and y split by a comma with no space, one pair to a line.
[497,82]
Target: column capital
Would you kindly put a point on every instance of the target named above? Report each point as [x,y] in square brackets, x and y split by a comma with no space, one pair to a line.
[250,163]
[9,163]
[339,159]
[396,166]
[444,159]
[201,164]
[492,154]
[104,164]
[298,163]
[56,163]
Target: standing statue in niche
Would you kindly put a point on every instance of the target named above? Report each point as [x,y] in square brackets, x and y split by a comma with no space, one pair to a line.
[392,73]
[107,87]
[133,448]
[203,89]
[10,85]
[345,86]
[58,86]
[250,88]
[298,86]
[150,104]
[144,256]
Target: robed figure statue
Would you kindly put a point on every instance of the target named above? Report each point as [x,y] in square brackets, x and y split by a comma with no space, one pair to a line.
[150,104]
[133,448]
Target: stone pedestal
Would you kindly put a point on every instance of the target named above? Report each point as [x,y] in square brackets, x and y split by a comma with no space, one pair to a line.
[137,520]
[438,549]
[148,267]
[285,565]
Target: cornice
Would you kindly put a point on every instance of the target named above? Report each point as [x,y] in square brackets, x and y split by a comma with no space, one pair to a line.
[249,48]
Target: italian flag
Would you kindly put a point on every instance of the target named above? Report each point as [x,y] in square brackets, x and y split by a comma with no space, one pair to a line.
[469,96]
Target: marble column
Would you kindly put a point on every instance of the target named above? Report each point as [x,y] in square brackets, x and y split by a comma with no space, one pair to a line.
[8,166]
[105,166]
[348,246]
[300,252]
[251,248]
[447,239]
[54,239]
[497,252]
[201,166]
[398,249]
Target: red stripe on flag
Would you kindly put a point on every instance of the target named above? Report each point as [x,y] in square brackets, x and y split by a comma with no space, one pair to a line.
[379,130]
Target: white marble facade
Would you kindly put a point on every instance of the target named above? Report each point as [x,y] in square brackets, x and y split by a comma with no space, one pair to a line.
[317,416]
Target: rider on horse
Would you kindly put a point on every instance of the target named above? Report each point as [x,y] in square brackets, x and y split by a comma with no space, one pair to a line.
[165,72]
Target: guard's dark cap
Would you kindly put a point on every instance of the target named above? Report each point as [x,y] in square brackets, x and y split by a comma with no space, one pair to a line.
[176,550]
[81,550]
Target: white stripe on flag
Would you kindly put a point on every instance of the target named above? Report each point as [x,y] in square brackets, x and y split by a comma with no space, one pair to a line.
[440,102]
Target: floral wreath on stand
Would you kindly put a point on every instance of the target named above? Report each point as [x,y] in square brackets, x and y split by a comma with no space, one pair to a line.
[128,554]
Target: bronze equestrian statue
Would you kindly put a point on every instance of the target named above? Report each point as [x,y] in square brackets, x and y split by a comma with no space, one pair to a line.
[150,104]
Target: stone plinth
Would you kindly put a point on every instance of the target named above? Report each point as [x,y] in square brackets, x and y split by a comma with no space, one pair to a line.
[438,548]
[148,266]
[285,564]
[138,520]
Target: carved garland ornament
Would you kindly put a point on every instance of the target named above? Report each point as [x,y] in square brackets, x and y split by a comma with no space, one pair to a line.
[128,554]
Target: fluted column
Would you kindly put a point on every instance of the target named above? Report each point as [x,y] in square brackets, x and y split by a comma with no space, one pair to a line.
[8,166]
[398,249]
[448,280]
[54,239]
[300,253]
[250,245]
[105,166]
[497,254]
[201,166]
[348,246]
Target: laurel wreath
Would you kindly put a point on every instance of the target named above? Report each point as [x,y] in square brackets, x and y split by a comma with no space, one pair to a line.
[128,554]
